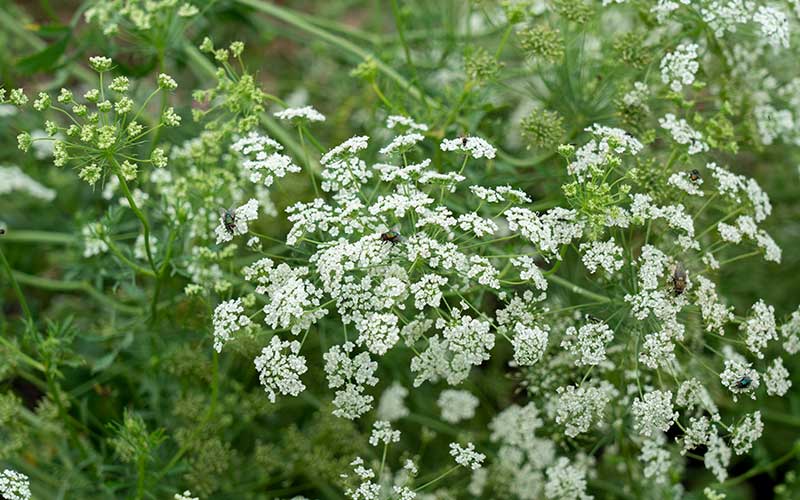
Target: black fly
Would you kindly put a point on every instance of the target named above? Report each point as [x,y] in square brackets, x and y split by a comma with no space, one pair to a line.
[391,236]
[678,279]
[229,220]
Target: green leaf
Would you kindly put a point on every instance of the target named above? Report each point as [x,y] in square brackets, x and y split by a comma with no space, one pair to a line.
[45,59]
[51,30]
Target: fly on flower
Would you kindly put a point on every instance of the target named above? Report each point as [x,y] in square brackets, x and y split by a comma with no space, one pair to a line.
[678,279]
[391,236]
[228,220]
[743,383]
[694,175]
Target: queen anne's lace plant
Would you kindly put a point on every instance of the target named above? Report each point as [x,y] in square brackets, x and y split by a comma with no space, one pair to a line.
[589,329]
[383,263]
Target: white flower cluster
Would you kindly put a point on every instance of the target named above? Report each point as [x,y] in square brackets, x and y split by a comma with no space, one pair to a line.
[279,368]
[427,291]
[292,301]
[500,194]
[13,179]
[603,254]
[732,185]
[656,460]
[305,113]
[401,144]
[675,216]
[760,328]
[566,481]
[367,489]
[656,300]
[774,25]
[653,413]
[595,157]
[683,133]
[93,239]
[717,457]
[714,313]
[392,404]
[773,123]
[457,405]
[739,377]
[467,456]
[678,68]
[235,223]
[465,342]
[588,344]
[264,162]
[350,375]
[228,319]
[529,271]
[474,146]
[14,485]
[529,344]
[405,123]
[790,331]
[777,379]
[684,182]
[579,407]
[547,231]
[747,433]
[347,149]
[382,432]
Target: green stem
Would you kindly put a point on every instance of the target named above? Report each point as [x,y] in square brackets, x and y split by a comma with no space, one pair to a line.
[763,468]
[740,257]
[23,236]
[145,224]
[503,41]
[17,290]
[72,286]
[140,478]
[438,478]
[309,168]
[558,280]
[136,267]
[712,226]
